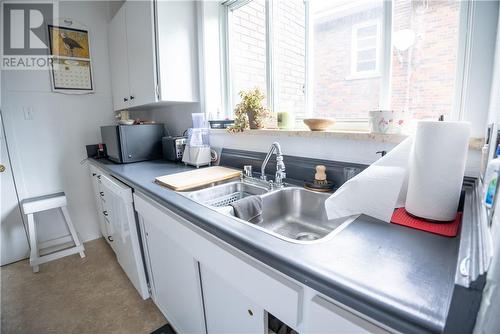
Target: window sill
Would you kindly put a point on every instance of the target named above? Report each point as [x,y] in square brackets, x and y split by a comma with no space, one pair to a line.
[474,143]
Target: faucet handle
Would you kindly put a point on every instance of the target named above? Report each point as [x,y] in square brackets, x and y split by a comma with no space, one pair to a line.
[320,173]
[247,171]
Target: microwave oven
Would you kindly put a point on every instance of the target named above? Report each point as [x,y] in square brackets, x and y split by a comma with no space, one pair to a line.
[132,143]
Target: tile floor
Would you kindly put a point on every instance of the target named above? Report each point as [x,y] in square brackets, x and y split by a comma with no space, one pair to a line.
[74,295]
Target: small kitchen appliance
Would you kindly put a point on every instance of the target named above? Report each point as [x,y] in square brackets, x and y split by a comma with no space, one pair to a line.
[132,143]
[197,152]
[173,147]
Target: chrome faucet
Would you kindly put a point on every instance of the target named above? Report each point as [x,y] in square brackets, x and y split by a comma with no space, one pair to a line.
[280,165]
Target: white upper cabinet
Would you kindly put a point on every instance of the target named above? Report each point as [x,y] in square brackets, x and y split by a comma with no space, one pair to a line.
[153,53]
[118,60]
[177,50]
[140,50]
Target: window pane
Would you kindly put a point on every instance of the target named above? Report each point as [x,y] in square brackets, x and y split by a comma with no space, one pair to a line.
[289,56]
[367,43]
[425,45]
[367,31]
[247,44]
[366,66]
[336,93]
[367,55]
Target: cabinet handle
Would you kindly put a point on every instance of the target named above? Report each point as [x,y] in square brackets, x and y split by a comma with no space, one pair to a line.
[105,213]
[132,97]
[101,193]
[110,238]
[94,174]
[125,99]
[99,177]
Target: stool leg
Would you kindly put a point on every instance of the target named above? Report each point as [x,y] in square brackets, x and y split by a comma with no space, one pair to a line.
[33,243]
[72,230]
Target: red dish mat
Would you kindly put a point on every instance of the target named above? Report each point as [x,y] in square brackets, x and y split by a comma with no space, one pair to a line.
[401,217]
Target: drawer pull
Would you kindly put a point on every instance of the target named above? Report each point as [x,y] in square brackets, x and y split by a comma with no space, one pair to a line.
[101,193]
[110,238]
[105,213]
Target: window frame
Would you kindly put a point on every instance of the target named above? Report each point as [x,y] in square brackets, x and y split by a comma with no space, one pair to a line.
[384,61]
[355,74]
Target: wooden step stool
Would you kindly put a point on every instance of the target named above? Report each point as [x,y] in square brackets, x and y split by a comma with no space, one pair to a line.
[36,204]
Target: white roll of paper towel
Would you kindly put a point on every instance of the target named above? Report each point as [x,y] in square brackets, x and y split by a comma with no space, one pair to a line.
[436,169]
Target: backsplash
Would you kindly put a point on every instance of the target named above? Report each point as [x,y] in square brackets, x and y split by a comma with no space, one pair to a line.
[297,168]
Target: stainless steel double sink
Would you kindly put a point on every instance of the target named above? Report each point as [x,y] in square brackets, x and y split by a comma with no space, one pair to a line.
[291,213]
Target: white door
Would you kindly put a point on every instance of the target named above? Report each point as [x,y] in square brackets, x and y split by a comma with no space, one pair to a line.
[175,275]
[119,61]
[13,238]
[141,52]
[227,310]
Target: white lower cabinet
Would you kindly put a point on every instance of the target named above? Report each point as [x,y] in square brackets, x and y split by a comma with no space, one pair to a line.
[227,310]
[95,176]
[173,272]
[325,317]
[203,285]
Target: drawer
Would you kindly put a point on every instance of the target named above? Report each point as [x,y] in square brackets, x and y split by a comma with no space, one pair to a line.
[327,317]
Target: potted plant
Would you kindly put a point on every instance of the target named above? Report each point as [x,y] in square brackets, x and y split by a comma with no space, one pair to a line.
[250,113]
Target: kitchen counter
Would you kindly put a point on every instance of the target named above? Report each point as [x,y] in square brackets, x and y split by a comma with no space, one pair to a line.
[398,276]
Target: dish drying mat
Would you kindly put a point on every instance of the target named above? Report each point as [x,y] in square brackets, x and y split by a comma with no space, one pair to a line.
[401,217]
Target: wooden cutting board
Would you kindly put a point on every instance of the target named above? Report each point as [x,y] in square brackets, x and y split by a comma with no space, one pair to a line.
[197,178]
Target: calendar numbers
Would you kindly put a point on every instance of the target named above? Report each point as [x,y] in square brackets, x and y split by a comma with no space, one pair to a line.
[72,74]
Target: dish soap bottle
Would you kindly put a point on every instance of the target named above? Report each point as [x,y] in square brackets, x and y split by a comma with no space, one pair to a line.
[491,179]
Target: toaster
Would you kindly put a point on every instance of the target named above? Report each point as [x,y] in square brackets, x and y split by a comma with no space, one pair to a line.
[173,147]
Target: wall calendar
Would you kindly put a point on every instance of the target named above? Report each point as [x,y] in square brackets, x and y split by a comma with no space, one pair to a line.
[71,66]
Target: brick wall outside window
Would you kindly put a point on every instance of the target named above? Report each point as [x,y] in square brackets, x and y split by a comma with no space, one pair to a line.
[422,80]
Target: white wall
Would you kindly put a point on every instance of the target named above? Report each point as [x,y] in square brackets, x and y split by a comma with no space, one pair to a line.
[487,320]
[477,94]
[348,150]
[47,150]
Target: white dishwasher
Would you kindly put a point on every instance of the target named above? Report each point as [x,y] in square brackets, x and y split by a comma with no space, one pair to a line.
[125,237]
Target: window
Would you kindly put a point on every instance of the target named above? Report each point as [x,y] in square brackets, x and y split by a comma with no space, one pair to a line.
[247,48]
[365,49]
[343,58]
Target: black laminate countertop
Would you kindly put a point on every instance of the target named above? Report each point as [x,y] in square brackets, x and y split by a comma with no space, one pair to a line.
[398,276]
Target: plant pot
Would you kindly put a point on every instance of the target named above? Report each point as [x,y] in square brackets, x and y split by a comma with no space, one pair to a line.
[387,121]
[252,120]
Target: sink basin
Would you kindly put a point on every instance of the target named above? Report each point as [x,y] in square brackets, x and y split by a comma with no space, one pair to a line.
[297,214]
[224,194]
[292,214]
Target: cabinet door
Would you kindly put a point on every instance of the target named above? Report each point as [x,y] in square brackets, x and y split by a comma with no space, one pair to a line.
[325,317]
[226,309]
[177,49]
[141,52]
[96,187]
[175,276]
[118,61]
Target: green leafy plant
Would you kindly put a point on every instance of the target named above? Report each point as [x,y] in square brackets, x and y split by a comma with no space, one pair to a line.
[250,113]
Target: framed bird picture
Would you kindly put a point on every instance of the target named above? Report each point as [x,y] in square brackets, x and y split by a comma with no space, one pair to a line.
[69,42]
[71,65]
